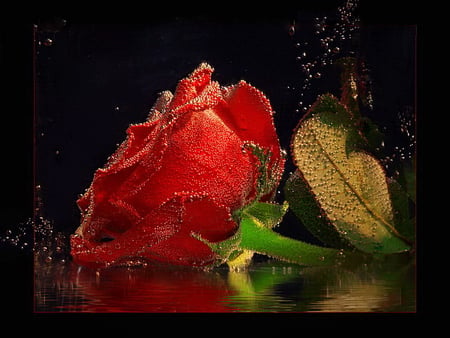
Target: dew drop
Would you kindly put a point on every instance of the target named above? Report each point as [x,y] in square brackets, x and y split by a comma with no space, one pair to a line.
[291,30]
[48,42]
[336,50]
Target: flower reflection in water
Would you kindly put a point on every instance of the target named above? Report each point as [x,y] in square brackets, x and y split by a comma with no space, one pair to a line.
[139,289]
[267,286]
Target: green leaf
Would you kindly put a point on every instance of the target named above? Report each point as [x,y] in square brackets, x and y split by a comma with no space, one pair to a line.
[372,134]
[268,176]
[305,206]
[403,216]
[268,215]
[349,185]
[226,250]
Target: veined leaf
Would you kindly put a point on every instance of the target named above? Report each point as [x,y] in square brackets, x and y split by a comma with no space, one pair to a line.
[349,185]
[305,206]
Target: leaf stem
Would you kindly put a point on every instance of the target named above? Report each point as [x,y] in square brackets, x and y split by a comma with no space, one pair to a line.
[265,241]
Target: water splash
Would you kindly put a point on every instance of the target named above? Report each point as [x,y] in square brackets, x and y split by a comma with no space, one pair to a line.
[49,245]
[37,236]
[18,236]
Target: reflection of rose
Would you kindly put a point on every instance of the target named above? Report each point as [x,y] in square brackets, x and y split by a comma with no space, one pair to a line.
[180,175]
[152,289]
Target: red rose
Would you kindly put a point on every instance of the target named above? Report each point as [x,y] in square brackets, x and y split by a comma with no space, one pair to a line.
[180,175]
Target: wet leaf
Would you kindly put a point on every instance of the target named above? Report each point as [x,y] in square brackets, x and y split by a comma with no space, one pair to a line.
[403,215]
[227,250]
[349,184]
[267,214]
[268,173]
[307,209]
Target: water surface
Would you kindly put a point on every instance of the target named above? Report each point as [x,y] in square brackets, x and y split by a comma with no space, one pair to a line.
[267,286]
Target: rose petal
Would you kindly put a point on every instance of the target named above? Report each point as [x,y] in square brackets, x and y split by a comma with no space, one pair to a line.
[159,225]
[200,216]
[188,88]
[205,217]
[181,249]
[160,106]
[249,114]
[205,157]
[207,99]
[140,141]
[112,187]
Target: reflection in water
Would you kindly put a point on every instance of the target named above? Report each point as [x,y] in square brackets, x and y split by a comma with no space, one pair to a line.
[137,289]
[267,286]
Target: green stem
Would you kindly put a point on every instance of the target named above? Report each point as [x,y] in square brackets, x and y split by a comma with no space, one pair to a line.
[265,241]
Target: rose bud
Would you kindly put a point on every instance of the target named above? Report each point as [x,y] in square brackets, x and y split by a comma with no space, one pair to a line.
[177,181]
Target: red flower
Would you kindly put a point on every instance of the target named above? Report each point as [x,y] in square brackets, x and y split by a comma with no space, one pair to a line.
[180,175]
